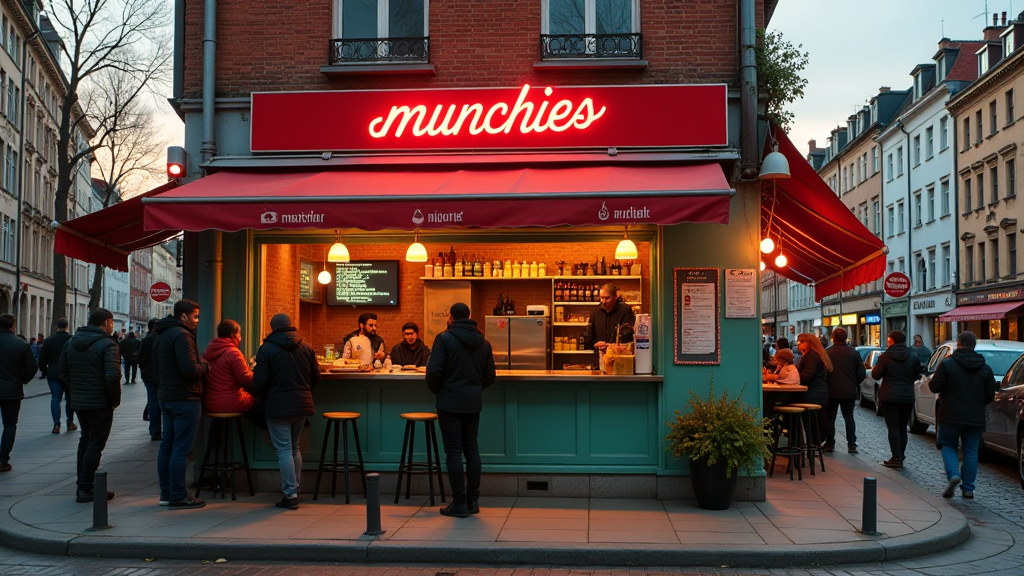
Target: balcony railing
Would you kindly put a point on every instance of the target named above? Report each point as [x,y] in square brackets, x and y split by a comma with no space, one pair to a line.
[590,46]
[375,50]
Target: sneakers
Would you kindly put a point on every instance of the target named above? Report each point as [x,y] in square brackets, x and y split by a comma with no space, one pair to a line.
[473,506]
[852,449]
[5,466]
[288,502]
[56,429]
[187,503]
[968,494]
[828,448]
[165,502]
[893,463]
[456,510]
[71,426]
[951,487]
[82,496]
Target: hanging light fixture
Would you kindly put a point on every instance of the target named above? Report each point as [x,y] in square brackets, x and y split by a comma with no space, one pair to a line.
[767,245]
[338,252]
[416,252]
[781,261]
[324,277]
[762,266]
[775,165]
[626,250]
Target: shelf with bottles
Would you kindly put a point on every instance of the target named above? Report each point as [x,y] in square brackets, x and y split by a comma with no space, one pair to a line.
[569,323]
[573,351]
[606,277]
[631,303]
[485,279]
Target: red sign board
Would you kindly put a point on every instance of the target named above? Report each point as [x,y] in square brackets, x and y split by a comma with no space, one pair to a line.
[524,117]
[897,284]
[160,291]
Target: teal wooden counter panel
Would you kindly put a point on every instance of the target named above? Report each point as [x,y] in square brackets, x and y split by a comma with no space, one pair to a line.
[598,424]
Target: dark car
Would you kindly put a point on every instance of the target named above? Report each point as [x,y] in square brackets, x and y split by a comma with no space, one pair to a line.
[1004,417]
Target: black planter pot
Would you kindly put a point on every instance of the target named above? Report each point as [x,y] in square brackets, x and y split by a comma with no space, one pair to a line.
[713,490]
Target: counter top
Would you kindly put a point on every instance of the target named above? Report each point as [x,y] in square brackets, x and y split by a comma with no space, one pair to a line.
[508,375]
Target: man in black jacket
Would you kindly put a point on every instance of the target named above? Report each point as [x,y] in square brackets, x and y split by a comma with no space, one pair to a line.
[965,384]
[411,351]
[180,370]
[285,375]
[90,365]
[17,366]
[843,382]
[897,368]
[461,365]
[147,364]
[129,352]
[49,362]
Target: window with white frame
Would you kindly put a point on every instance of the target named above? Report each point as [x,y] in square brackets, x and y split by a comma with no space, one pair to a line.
[1011,179]
[943,133]
[900,220]
[607,25]
[874,160]
[367,19]
[888,167]
[929,143]
[944,196]
[917,209]
[930,200]
[892,220]
[878,216]
[899,161]
[946,265]
[931,268]
[917,150]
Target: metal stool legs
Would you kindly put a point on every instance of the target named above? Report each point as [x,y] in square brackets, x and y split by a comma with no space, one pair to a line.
[346,466]
[221,443]
[406,466]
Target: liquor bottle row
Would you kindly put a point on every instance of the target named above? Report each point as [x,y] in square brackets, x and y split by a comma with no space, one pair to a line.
[569,343]
[452,265]
[506,306]
[577,292]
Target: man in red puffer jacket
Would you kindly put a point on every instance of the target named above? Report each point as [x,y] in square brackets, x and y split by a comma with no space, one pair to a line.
[229,376]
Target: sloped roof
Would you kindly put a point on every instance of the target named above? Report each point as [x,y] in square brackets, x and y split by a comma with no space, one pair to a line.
[966,65]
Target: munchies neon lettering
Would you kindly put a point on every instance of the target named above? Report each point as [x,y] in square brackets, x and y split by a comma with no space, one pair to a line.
[559,117]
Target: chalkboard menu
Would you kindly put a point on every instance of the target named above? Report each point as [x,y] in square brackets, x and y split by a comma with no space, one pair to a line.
[309,289]
[364,283]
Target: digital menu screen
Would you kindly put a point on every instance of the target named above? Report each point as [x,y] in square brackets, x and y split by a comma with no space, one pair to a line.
[364,283]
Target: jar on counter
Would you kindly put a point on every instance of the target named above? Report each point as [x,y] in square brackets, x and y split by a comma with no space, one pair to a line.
[428,270]
[542,270]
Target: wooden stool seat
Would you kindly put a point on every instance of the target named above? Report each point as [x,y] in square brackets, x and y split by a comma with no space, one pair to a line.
[334,420]
[219,438]
[342,415]
[419,416]
[788,409]
[224,414]
[812,434]
[808,407]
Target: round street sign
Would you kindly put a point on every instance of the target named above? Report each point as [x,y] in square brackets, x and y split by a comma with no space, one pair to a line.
[160,291]
[897,284]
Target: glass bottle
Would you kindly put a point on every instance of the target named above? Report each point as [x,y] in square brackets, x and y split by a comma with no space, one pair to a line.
[581,342]
[558,292]
[486,270]
[478,267]
[603,269]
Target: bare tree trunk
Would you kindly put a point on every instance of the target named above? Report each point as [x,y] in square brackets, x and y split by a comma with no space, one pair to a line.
[96,291]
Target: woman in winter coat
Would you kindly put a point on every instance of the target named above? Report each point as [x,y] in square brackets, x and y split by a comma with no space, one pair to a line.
[898,367]
[230,377]
[814,366]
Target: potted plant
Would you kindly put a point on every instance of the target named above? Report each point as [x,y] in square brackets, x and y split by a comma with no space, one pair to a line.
[720,435]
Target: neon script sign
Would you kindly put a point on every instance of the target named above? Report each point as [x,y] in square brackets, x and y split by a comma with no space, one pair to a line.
[559,117]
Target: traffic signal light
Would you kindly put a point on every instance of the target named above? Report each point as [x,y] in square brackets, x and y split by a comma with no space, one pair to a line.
[176,162]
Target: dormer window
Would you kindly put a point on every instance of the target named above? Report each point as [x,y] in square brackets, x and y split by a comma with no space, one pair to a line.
[983,61]
[1008,40]
[940,64]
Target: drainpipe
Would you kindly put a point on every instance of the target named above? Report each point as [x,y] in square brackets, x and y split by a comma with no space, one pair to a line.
[910,229]
[748,91]
[209,147]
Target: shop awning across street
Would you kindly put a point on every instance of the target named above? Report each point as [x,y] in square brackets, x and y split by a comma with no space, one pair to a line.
[973,312]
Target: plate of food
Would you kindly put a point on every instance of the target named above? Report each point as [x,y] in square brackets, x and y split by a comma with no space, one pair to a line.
[345,365]
[409,368]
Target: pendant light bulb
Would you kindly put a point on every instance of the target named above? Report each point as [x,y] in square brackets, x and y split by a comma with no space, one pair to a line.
[417,252]
[781,261]
[338,252]
[767,245]
[626,250]
[762,266]
[324,277]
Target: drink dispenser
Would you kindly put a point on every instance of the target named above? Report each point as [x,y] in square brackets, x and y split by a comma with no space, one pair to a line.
[644,363]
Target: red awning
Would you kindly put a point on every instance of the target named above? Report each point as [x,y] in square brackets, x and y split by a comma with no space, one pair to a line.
[824,242]
[107,236]
[386,198]
[990,311]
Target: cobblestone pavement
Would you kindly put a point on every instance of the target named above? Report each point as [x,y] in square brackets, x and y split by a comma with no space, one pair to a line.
[996,516]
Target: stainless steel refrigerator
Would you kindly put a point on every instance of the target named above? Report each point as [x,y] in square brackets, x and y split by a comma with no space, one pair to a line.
[519,342]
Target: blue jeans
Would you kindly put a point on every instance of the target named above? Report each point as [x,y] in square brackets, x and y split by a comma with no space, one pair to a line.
[153,409]
[181,420]
[284,434]
[951,435]
[56,393]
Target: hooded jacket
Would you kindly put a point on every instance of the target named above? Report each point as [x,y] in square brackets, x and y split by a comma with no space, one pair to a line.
[90,366]
[178,366]
[129,348]
[17,365]
[461,365]
[965,384]
[147,359]
[225,385]
[812,374]
[847,371]
[285,375]
[898,367]
[404,355]
[49,354]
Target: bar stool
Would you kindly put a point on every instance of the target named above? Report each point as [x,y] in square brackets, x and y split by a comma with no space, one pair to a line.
[334,419]
[219,438]
[813,432]
[430,466]
[791,425]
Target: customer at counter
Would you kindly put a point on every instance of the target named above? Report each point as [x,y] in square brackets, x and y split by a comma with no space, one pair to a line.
[612,319]
[411,351]
[229,380]
[368,350]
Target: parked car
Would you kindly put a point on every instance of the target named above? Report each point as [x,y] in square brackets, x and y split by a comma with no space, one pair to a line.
[865,350]
[1004,417]
[1000,355]
[869,386]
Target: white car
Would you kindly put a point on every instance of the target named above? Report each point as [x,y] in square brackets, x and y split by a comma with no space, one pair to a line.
[869,386]
[999,355]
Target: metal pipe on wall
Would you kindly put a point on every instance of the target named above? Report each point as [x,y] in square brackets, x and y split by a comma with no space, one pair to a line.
[748,90]
[209,148]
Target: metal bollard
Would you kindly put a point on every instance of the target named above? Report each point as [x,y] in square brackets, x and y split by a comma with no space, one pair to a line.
[869,514]
[373,505]
[99,502]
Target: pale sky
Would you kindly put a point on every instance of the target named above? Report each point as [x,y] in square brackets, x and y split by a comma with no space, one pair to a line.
[855,47]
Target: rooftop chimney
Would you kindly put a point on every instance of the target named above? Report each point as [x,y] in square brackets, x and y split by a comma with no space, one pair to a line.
[813,145]
[884,89]
[1004,19]
[995,19]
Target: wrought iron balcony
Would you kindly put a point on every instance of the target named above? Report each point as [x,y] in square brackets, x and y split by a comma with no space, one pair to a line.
[375,50]
[590,46]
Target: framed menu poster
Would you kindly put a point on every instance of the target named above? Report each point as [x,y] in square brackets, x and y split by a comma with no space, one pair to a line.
[309,289]
[696,320]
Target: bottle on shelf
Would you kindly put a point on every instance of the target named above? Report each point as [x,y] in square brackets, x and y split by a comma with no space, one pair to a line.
[595,293]
[451,254]
[511,306]
[499,310]
[517,270]
[439,266]
[573,293]
[428,269]
[478,267]
[457,268]
[603,270]
[542,270]
[534,269]
[581,342]
[486,270]
[558,292]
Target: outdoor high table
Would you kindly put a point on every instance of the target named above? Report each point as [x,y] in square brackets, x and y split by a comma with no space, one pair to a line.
[772,392]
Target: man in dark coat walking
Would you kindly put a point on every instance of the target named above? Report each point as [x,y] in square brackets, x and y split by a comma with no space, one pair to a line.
[285,375]
[843,382]
[898,367]
[461,365]
[17,366]
[129,355]
[91,367]
[965,384]
[147,365]
[49,362]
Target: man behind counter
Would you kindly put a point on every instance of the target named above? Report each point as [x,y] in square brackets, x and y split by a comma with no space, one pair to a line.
[607,318]
[412,350]
[355,344]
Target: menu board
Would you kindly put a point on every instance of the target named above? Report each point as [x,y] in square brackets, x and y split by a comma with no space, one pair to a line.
[309,289]
[365,283]
[740,293]
[696,324]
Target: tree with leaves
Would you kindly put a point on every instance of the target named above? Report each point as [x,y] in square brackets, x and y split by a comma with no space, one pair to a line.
[129,36]
[779,65]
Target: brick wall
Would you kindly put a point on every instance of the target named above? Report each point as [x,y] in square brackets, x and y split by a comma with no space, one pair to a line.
[280,45]
[322,324]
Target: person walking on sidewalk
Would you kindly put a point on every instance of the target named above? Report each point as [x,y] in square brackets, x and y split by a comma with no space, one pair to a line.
[843,381]
[180,370]
[965,384]
[49,362]
[90,365]
[285,375]
[461,365]
[17,366]
[129,355]
[147,365]
[898,367]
